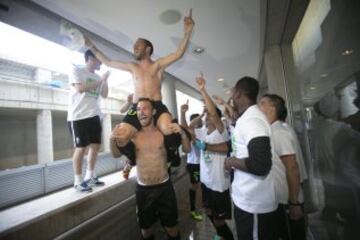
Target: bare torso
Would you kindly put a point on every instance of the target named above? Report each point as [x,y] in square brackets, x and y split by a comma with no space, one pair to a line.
[151,157]
[147,81]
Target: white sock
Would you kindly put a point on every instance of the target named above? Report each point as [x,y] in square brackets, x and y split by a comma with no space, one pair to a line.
[77,179]
[89,174]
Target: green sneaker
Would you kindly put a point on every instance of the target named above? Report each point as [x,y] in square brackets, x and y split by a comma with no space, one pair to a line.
[196,216]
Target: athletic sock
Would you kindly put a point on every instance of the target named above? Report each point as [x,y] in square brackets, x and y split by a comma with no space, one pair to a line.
[89,174]
[224,232]
[77,179]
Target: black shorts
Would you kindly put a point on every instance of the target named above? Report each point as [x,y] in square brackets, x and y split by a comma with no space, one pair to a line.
[155,202]
[218,202]
[249,225]
[194,172]
[131,116]
[85,131]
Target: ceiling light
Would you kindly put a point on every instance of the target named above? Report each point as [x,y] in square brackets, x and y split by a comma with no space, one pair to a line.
[312,88]
[324,75]
[228,92]
[347,52]
[221,80]
[199,50]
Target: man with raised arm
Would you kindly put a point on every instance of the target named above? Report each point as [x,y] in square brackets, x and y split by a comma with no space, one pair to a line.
[193,158]
[147,75]
[155,196]
[215,181]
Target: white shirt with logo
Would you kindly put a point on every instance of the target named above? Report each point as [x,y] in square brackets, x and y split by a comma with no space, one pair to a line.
[83,105]
[252,193]
[212,172]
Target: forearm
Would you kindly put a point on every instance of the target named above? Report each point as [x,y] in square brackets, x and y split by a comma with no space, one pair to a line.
[125,107]
[219,147]
[210,105]
[293,179]
[183,121]
[183,44]
[104,90]
[115,152]
[185,142]
[229,109]
[237,163]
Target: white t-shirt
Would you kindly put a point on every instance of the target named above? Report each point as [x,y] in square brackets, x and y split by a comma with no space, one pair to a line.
[285,144]
[254,194]
[212,172]
[193,157]
[83,105]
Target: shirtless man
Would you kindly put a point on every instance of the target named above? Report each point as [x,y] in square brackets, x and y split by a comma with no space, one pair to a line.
[147,75]
[155,196]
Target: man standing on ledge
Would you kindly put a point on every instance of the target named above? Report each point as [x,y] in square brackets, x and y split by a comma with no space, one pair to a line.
[147,75]
[155,195]
[84,119]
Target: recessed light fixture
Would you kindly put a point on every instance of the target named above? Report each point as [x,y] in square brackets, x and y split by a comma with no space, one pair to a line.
[324,75]
[221,80]
[228,92]
[347,52]
[199,50]
[312,88]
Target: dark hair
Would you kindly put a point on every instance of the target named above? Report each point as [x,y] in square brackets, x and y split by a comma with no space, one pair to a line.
[193,116]
[279,104]
[89,54]
[148,44]
[248,86]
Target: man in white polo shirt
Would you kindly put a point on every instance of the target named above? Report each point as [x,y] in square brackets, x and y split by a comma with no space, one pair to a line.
[289,173]
[253,190]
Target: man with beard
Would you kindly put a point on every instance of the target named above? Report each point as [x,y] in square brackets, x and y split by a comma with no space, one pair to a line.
[155,196]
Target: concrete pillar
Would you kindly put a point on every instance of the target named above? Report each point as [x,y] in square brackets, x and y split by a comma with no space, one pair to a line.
[169,95]
[280,75]
[106,132]
[44,129]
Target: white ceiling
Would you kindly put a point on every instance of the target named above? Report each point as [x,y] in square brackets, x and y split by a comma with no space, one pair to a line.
[229,30]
